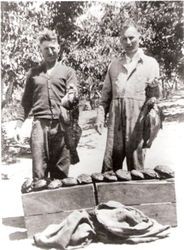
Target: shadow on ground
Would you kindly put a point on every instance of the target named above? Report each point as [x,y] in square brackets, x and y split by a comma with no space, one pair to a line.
[18,235]
[14,222]
[17,222]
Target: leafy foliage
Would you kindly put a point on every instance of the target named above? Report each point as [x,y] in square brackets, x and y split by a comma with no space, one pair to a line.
[88,33]
[21,23]
[63,17]
[166,23]
[97,39]
[8,153]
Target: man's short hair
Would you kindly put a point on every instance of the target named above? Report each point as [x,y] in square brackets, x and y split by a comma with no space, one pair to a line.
[127,24]
[48,35]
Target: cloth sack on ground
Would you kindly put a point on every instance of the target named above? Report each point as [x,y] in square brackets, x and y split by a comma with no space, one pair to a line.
[111,222]
[127,224]
[76,230]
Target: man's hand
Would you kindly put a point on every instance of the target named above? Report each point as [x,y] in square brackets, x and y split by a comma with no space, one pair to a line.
[70,99]
[17,133]
[99,124]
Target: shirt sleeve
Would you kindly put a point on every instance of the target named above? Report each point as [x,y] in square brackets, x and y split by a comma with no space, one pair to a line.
[71,81]
[106,92]
[26,102]
[154,88]
[71,98]
[155,72]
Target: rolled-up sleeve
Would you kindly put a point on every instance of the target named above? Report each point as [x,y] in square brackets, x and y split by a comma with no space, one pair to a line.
[154,87]
[154,70]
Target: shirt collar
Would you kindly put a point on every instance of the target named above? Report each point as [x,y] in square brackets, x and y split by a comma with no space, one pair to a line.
[44,67]
[139,57]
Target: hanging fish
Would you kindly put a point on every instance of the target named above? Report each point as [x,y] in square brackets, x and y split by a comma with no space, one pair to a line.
[152,123]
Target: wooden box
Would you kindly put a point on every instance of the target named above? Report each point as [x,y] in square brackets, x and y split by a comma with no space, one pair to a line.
[52,206]
[155,198]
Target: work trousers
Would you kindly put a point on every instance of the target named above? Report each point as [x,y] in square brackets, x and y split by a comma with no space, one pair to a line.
[125,135]
[51,158]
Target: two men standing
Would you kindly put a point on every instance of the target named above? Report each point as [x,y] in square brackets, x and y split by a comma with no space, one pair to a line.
[124,97]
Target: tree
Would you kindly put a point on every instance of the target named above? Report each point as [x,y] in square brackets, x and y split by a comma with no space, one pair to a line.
[63,17]
[97,39]
[165,23]
[21,23]
[88,33]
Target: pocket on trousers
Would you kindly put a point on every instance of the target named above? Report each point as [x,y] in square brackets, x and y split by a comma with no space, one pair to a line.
[37,131]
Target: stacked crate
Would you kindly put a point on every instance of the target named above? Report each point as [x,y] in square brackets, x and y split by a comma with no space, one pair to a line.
[155,198]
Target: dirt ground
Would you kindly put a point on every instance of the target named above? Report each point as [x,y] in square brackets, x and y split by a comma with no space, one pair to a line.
[166,149]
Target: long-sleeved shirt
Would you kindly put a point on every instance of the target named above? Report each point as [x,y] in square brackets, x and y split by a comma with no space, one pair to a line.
[44,91]
[124,97]
[128,81]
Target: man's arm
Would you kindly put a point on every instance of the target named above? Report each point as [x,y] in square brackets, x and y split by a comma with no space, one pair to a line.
[153,88]
[104,103]
[25,106]
[106,92]
[27,98]
[71,98]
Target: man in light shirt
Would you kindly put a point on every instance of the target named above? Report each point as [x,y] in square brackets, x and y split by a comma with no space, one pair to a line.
[124,98]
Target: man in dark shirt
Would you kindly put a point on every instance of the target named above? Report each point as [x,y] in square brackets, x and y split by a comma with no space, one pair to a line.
[50,92]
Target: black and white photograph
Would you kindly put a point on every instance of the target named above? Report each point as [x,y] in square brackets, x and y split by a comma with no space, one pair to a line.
[92,125]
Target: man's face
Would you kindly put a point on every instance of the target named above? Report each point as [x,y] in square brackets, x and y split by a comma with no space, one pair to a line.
[49,50]
[130,40]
